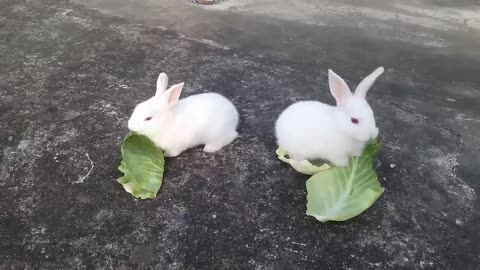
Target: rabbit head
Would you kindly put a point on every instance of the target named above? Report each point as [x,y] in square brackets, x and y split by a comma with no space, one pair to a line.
[152,116]
[353,114]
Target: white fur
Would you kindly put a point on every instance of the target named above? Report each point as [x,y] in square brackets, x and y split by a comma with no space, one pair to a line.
[207,119]
[314,130]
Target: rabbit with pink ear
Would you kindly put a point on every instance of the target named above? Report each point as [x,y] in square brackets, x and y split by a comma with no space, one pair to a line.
[175,125]
[309,130]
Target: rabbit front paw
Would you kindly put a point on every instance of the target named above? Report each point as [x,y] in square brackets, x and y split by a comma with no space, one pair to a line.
[172,153]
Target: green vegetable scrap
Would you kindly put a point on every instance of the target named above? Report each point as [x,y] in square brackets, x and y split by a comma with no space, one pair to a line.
[341,193]
[143,166]
[301,166]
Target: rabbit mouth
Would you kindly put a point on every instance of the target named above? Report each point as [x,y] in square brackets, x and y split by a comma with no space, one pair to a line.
[374,133]
[132,126]
[360,137]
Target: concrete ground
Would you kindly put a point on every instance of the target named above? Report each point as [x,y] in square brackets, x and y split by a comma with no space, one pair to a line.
[72,71]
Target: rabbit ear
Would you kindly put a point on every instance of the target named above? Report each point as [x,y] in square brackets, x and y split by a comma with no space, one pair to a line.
[162,84]
[172,95]
[339,89]
[366,83]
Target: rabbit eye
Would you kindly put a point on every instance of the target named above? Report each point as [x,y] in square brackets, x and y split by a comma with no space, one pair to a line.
[148,118]
[354,120]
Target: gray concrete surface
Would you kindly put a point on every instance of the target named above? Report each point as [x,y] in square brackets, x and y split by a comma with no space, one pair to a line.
[72,71]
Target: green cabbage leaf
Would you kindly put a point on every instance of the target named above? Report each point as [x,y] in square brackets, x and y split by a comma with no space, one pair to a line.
[341,193]
[143,165]
[302,166]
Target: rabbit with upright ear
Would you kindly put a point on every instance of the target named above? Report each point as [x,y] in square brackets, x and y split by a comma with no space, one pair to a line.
[175,125]
[310,130]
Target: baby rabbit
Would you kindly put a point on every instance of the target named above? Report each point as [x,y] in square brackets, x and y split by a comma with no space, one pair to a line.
[314,130]
[175,126]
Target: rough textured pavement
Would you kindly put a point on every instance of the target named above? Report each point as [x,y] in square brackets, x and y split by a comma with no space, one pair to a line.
[72,71]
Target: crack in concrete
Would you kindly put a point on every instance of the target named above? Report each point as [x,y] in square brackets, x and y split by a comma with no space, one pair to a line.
[83,178]
[458,147]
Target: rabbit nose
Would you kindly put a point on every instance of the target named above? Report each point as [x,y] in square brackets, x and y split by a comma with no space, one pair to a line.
[131,126]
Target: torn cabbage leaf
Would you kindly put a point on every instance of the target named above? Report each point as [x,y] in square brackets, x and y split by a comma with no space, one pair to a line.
[341,193]
[301,166]
[143,166]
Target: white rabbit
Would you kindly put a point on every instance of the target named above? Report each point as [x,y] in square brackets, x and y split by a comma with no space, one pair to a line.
[176,125]
[309,130]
